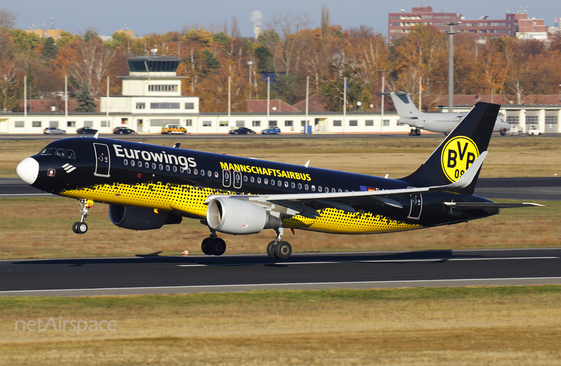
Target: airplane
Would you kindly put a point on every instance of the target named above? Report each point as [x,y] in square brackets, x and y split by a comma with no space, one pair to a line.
[149,186]
[434,122]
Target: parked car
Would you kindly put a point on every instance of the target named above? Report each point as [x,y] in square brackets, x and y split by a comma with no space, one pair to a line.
[123,131]
[54,131]
[271,131]
[242,131]
[86,131]
[533,131]
[172,129]
[515,131]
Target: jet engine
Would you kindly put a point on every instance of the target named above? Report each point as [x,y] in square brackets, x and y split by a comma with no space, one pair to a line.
[136,218]
[239,217]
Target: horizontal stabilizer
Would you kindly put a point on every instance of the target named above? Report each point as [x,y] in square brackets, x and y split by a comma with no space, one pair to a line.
[484,205]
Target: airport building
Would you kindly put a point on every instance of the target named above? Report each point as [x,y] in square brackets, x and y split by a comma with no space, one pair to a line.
[152,98]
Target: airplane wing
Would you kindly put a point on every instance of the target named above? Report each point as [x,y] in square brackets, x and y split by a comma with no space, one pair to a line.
[308,204]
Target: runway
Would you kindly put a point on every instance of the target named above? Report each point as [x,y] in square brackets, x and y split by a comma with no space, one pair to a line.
[164,275]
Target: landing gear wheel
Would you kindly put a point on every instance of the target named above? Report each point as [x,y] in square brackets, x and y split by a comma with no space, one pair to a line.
[283,250]
[271,249]
[218,246]
[80,227]
[206,247]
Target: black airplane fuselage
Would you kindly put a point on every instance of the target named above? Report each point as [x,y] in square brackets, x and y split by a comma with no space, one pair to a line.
[179,181]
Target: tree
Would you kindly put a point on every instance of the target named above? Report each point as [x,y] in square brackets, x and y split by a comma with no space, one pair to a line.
[7,20]
[85,61]
[50,49]
[10,92]
[24,40]
[211,62]
[85,100]
[265,59]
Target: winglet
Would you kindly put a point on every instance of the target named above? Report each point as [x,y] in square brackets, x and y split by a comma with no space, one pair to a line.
[96,135]
[307,164]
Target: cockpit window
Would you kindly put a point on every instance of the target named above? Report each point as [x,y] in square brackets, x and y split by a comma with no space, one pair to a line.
[48,151]
[60,152]
[70,154]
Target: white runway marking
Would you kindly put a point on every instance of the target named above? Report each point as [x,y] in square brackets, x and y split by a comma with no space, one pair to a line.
[300,285]
[434,260]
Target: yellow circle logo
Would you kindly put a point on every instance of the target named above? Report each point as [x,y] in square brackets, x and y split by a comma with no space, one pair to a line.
[457,156]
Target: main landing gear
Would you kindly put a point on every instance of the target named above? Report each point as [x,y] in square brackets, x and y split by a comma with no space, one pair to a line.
[213,245]
[278,248]
[415,132]
[80,227]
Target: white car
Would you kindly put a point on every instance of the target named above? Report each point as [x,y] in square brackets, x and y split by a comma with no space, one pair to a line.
[533,131]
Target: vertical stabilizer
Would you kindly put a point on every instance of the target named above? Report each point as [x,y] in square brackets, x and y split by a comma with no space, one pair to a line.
[404,105]
[459,150]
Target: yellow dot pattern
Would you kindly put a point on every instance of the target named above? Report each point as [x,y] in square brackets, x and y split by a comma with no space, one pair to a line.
[189,200]
[338,221]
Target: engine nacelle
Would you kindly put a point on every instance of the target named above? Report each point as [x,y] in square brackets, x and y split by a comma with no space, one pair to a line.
[136,218]
[239,217]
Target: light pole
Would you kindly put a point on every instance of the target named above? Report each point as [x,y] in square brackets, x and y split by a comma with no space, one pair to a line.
[250,63]
[358,104]
[451,33]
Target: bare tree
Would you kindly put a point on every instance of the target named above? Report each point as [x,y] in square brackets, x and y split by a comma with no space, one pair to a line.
[94,63]
[292,40]
[8,85]
[235,29]
[7,20]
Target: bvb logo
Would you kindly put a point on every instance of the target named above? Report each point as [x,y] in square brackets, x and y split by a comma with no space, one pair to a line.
[457,156]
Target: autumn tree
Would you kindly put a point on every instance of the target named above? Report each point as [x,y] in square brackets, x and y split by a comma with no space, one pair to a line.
[10,91]
[420,55]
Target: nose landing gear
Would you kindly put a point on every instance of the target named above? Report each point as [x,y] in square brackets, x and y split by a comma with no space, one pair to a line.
[80,227]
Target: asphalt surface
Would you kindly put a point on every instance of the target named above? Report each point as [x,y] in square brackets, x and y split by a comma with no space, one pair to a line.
[163,275]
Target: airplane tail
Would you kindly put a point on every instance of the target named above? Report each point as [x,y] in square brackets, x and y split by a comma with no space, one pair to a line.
[459,150]
[404,105]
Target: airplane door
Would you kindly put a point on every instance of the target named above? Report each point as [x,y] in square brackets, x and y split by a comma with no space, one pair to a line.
[226,178]
[416,206]
[102,160]
[237,180]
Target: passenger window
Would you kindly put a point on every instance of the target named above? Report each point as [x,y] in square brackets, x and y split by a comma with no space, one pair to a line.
[70,154]
[60,152]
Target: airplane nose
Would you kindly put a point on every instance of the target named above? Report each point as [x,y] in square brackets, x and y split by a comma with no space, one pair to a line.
[28,170]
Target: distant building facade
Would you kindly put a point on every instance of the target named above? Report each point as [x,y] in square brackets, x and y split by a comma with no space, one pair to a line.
[400,24]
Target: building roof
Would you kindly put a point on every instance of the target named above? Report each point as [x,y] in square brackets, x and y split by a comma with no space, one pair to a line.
[314,104]
[277,105]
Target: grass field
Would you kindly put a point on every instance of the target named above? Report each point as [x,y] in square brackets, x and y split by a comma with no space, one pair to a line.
[425,326]
[41,228]
[508,156]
